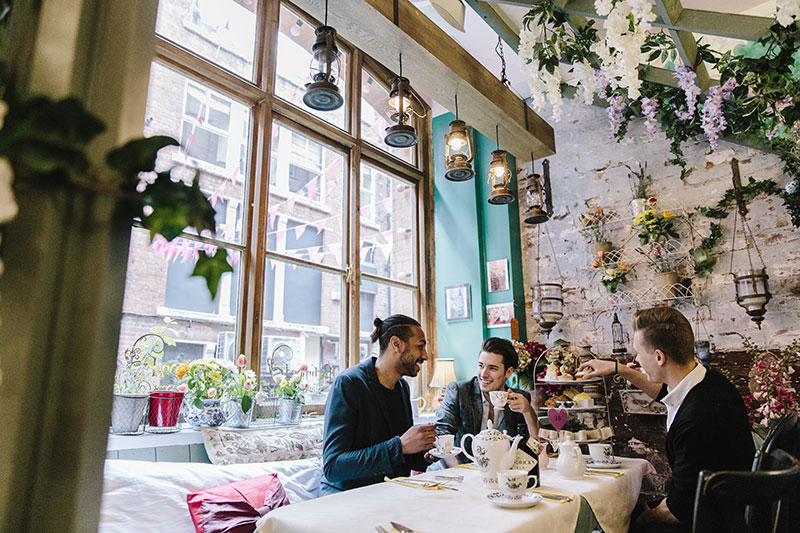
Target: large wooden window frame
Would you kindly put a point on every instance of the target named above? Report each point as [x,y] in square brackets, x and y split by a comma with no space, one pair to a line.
[268,108]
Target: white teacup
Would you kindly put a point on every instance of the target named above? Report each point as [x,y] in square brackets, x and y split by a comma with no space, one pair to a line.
[601,453]
[498,398]
[513,483]
[444,443]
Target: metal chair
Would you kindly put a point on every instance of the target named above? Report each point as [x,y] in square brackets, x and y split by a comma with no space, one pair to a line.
[783,434]
[746,502]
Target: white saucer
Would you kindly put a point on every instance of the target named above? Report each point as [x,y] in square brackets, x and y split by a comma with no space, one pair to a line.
[528,499]
[604,465]
[455,450]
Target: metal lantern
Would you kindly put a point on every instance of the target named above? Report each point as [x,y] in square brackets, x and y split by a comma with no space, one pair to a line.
[535,195]
[458,152]
[401,135]
[548,305]
[752,293]
[323,94]
[617,336]
[499,175]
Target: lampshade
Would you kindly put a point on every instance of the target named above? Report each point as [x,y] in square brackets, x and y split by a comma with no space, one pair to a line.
[452,11]
[445,373]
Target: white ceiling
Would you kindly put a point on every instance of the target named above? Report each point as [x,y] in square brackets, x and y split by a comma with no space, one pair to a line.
[479,40]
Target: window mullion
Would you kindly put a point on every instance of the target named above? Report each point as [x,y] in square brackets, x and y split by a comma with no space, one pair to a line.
[354,265]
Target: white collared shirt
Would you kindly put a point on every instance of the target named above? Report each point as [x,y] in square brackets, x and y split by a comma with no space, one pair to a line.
[498,414]
[674,398]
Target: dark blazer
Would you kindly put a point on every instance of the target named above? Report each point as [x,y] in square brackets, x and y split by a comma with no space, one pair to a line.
[461,410]
[710,432]
[359,447]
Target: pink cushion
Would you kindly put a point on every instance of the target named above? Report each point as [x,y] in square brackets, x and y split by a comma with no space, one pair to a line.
[235,507]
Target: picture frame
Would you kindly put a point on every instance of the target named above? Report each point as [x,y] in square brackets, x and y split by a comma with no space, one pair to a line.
[499,315]
[457,303]
[497,274]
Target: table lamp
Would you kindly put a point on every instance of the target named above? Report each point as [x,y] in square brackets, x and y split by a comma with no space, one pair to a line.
[445,373]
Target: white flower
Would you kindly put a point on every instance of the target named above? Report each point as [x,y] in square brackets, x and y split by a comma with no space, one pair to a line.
[603,7]
[787,11]
[585,81]
[8,206]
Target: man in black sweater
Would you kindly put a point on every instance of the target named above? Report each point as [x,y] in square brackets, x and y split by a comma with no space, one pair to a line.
[707,426]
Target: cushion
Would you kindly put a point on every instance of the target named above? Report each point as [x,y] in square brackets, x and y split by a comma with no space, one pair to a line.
[235,507]
[235,446]
[151,497]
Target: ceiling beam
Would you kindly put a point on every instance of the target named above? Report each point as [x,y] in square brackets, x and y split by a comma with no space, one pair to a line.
[439,68]
[685,43]
[731,25]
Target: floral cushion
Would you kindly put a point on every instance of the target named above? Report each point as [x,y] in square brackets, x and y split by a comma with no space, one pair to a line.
[259,445]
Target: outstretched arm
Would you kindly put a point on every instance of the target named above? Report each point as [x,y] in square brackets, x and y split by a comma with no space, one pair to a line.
[604,367]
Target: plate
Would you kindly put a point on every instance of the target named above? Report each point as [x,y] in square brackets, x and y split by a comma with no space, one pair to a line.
[528,499]
[455,450]
[594,465]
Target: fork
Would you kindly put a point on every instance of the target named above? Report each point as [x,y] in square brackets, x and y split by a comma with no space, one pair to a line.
[381,529]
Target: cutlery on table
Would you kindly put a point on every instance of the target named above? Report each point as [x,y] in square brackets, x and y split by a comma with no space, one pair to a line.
[420,483]
[603,473]
[401,528]
[381,529]
[554,497]
[457,479]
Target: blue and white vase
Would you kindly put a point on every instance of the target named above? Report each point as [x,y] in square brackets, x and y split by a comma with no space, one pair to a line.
[211,415]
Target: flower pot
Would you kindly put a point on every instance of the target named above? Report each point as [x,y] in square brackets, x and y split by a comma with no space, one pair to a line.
[127,413]
[211,415]
[164,412]
[289,411]
[602,246]
[236,417]
[703,260]
[638,206]
[663,284]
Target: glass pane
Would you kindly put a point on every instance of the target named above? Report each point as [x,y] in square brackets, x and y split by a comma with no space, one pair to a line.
[292,69]
[214,132]
[302,326]
[388,225]
[375,112]
[381,300]
[221,31]
[159,284]
[306,198]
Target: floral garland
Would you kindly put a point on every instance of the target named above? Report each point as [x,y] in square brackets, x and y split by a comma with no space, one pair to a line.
[771,383]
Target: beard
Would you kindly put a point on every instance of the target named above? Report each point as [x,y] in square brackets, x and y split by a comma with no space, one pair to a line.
[407,365]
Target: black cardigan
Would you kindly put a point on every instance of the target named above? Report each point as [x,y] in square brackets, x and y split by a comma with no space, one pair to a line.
[709,432]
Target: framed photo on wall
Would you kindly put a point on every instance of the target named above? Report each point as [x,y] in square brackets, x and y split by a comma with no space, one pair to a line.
[457,303]
[499,315]
[498,275]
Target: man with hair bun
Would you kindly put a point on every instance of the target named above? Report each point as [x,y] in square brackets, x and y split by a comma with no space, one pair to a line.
[707,426]
[369,431]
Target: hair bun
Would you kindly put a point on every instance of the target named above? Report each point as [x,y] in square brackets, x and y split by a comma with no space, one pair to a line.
[378,323]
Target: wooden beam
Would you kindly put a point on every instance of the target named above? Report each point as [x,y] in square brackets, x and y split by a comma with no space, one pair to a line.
[731,25]
[438,67]
[685,43]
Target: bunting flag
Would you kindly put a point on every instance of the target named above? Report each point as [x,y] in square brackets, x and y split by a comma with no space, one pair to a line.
[281,236]
[386,249]
[299,230]
[333,171]
[272,216]
[387,203]
[320,225]
[336,256]
[311,188]
[235,259]
[330,186]
[290,203]
[387,235]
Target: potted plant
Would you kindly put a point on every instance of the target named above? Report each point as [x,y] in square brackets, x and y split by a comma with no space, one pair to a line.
[594,221]
[612,274]
[640,182]
[241,395]
[131,389]
[292,398]
[665,278]
[654,226]
[204,382]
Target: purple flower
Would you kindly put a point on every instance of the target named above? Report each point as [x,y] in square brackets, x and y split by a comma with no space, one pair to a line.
[602,83]
[686,80]
[649,110]
[713,117]
[614,112]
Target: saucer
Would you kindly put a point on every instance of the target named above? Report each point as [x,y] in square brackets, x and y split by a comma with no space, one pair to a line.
[604,465]
[455,450]
[528,499]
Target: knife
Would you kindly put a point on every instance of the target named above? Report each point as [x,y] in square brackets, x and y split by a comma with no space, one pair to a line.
[401,527]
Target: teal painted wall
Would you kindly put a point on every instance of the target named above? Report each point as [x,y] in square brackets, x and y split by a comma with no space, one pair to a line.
[469,232]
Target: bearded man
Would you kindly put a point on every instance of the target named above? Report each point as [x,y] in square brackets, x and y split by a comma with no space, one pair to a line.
[369,431]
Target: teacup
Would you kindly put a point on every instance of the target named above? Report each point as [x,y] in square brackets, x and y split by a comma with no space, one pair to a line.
[601,453]
[498,398]
[514,483]
[444,443]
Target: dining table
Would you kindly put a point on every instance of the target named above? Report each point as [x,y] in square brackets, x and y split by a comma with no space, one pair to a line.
[601,498]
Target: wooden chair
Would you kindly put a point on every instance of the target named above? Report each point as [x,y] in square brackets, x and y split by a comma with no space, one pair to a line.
[747,502]
[783,434]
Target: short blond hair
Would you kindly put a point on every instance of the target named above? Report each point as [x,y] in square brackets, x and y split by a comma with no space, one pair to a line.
[666,329]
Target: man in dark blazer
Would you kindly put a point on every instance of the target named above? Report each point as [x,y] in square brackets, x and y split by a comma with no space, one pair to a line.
[707,425]
[369,431]
[466,407]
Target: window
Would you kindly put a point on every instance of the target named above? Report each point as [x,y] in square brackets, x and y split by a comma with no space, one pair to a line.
[310,271]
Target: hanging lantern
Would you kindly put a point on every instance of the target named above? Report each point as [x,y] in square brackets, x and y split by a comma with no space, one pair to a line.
[535,196]
[323,94]
[458,152]
[548,305]
[499,178]
[401,134]
[617,336]
[752,293]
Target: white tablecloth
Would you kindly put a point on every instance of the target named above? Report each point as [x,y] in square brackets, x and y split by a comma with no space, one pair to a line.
[433,511]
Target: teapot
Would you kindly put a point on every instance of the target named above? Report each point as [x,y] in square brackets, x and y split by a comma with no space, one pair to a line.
[492,452]
[570,463]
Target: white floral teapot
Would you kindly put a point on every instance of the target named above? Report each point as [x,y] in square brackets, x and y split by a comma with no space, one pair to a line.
[492,452]
[570,463]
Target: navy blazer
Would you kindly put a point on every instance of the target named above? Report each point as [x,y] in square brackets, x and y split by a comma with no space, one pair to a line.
[461,412]
[359,447]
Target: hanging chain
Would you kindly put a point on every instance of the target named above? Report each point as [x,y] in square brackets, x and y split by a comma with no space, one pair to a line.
[499,50]
[538,250]
[555,258]
[733,239]
[456,97]
[326,12]
[755,245]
